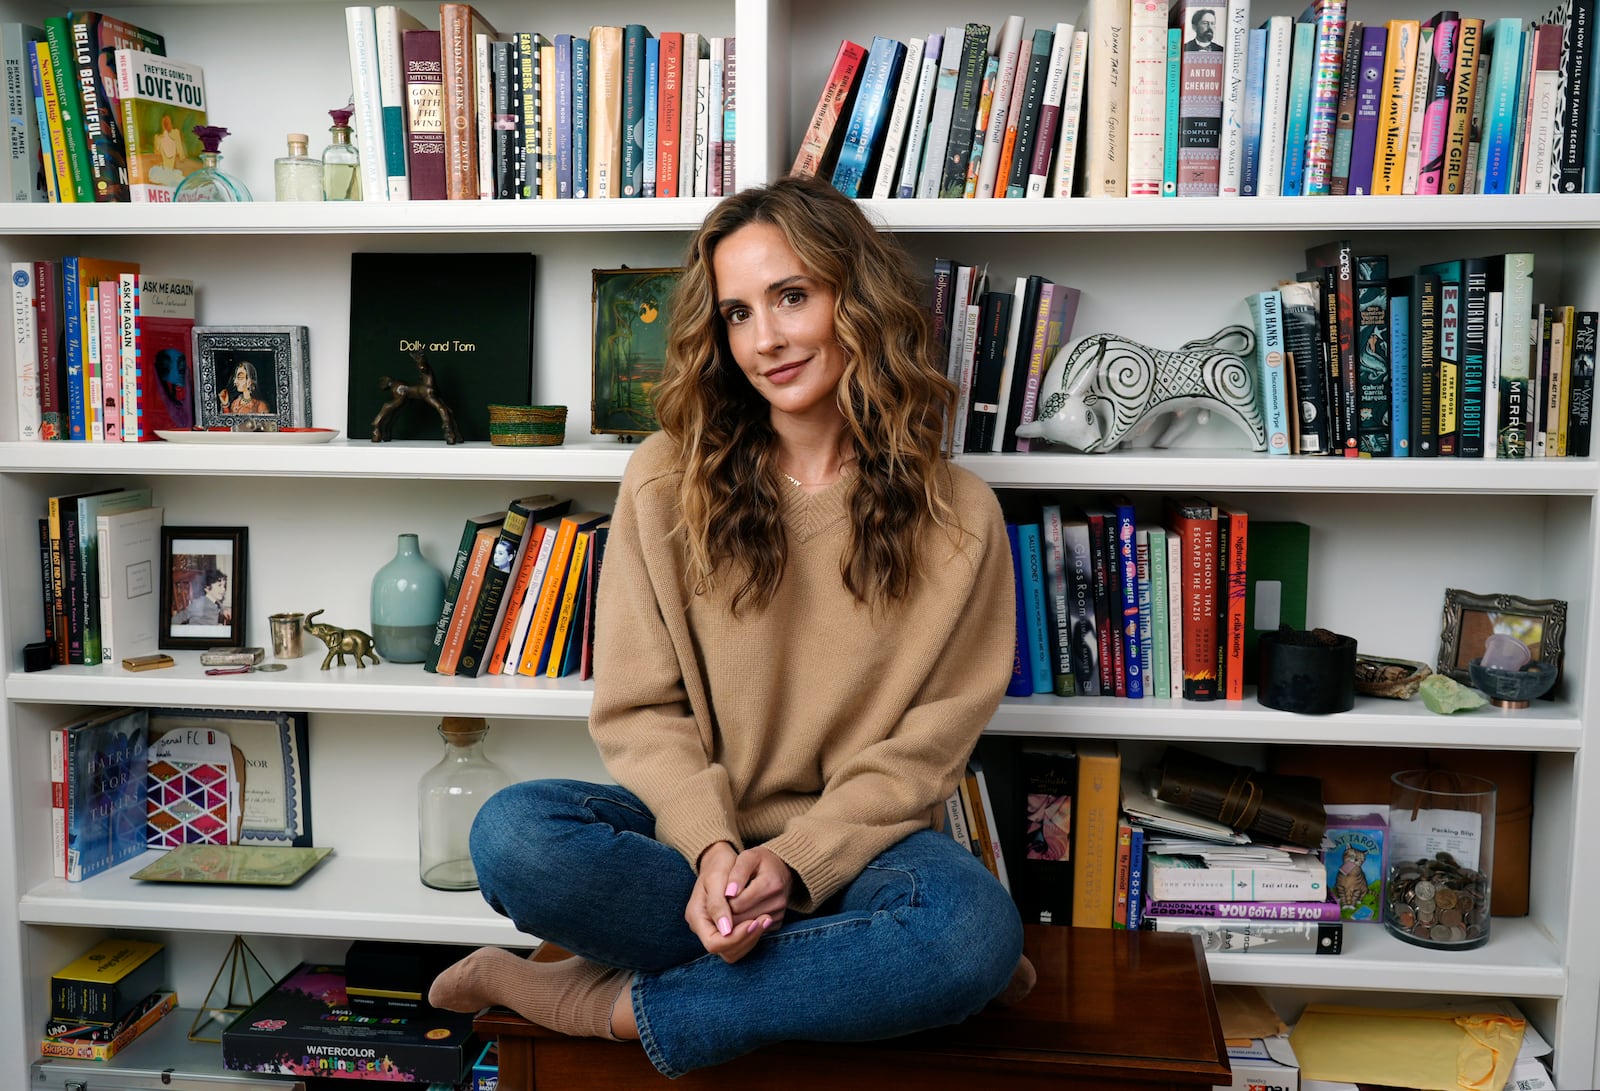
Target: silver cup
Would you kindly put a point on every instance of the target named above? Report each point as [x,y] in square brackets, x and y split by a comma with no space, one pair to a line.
[286,636]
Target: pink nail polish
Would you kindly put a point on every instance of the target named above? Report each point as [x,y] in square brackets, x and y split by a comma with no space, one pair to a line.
[724,926]
[750,929]
[733,888]
[766,922]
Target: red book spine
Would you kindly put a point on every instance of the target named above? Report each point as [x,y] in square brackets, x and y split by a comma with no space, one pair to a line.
[1233,651]
[424,114]
[48,318]
[824,133]
[1195,523]
[669,111]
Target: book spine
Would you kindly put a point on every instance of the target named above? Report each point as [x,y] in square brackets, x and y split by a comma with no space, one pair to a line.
[1013,68]
[540,103]
[1175,625]
[1499,111]
[425,143]
[1425,303]
[72,576]
[1128,585]
[1147,99]
[994,320]
[452,590]
[1199,110]
[489,609]
[1095,834]
[1324,115]
[1119,902]
[1421,85]
[1274,105]
[38,56]
[466,602]
[1394,111]
[605,111]
[361,34]
[977,822]
[63,66]
[715,91]
[1560,376]
[652,117]
[1136,878]
[75,383]
[93,407]
[856,161]
[730,115]
[1195,525]
[1436,111]
[1449,356]
[47,298]
[1344,130]
[58,802]
[483,111]
[534,648]
[134,428]
[1174,100]
[522,64]
[1302,62]
[1255,84]
[1083,625]
[1238,582]
[1167,881]
[1257,911]
[1106,101]
[1035,608]
[60,110]
[1231,138]
[505,104]
[894,140]
[1236,937]
[1023,114]
[1160,677]
[110,402]
[1374,390]
[1463,94]
[1577,72]
[1141,555]
[564,110]
[1058,593]
[1272,393]
[1369,99]
[569,599]
[669,111]
[25,177]
[458,101]
[1580,412]
[952,174]
[1051,105]
[1544,97]
[980,125]
[631,178]
[1400,367]
[921,114]
[1474,429]
[25,337]
[1105,623]
[1300,324]
[1073,98]
[819,145]
[580,117]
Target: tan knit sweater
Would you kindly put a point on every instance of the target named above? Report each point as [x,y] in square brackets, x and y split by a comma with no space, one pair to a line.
[817,726]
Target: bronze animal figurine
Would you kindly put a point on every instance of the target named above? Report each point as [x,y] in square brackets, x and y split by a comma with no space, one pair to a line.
[340,641]
[422,390]
[1106,389]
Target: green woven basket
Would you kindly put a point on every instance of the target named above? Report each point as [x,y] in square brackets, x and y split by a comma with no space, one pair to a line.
[527,425]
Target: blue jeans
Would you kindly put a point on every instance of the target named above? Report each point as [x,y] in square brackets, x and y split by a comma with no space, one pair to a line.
[923,937]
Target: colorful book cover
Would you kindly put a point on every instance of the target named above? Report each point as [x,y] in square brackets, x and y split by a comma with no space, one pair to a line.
[669,108]
[192,791]
[1322,119]
[857,159]
[164,373]
[1255,78]
[1194,522]
[26,174]
[900,114]
[1580,408]
[1272,385]
[1353,854]
[819,147]
[1058,593]
[95,41]
[971,64]
[1500,122]
[1436,108]
[1426,293]
[1128,586]
[1394,110]
[1200,99]
[107,766]
[652,116]
[1374,389]
[1147,98]
[1302,61]
[1141,556]
[1369,98]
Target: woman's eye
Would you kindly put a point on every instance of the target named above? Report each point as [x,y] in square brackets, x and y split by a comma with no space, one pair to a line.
[794,296]
[735,316]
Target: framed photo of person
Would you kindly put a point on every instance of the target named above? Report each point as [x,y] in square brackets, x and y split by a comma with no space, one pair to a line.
[202,587]
[253,375]
[631,307]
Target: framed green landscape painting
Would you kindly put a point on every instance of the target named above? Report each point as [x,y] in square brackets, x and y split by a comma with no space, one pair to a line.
[630,347]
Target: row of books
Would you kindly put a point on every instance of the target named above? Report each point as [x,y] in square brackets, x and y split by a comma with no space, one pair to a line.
[1113,604]
[519,598]
[102,351]
[1454,360]
[997,347]
[465,112]
[106,998]
[97,550]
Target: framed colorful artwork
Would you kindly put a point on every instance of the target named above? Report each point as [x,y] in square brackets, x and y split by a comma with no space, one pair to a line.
[258,375]
[631,309]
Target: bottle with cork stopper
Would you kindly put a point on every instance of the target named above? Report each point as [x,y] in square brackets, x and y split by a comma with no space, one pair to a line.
[297,176]
[449,797]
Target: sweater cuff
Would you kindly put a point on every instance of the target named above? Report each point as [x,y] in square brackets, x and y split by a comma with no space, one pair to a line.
[696,820]
[815,867]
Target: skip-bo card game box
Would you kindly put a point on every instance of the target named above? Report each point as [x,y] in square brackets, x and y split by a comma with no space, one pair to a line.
[306,1026]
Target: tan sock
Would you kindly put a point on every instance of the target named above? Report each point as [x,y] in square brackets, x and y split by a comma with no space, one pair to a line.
[1020,985]
[573,996]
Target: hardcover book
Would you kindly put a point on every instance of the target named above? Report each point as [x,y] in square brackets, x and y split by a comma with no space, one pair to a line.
[162,101]
[1044,882]
[95,40]
[425,155]
[105,792]
[306,1026]
[164,380]
[819,147]
[458,25]
[471,314]
[1094,833]
[489,612]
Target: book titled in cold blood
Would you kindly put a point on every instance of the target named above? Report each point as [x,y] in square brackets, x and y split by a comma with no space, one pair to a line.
[470,315]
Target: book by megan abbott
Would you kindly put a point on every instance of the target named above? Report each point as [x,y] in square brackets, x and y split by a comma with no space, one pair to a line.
[470,315]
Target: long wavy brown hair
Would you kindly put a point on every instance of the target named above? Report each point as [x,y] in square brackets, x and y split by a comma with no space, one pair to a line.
[894,397]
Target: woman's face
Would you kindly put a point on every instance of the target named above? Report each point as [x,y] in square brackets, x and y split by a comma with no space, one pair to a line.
[241,380]
[780,322]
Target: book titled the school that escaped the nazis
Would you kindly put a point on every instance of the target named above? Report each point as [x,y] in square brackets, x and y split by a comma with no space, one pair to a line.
[470,316]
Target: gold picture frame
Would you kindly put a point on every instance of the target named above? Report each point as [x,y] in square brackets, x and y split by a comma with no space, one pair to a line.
[629,351]
[1470,618]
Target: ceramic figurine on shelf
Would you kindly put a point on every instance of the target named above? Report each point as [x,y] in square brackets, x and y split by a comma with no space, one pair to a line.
[1105,390]
[422,390]
[341,162]
[209,183]
[340,642]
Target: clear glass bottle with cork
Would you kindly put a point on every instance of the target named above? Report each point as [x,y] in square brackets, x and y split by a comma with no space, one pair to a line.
[297,176]
[449,796]
[341,161]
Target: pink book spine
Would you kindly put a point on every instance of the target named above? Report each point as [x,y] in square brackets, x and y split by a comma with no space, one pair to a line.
[1436,115]
[1325,99]
[110,361]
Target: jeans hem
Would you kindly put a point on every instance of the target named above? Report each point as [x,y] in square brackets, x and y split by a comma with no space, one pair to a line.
[647,1037]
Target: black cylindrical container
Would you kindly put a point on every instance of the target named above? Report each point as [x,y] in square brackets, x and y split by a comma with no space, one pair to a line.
[1311,672]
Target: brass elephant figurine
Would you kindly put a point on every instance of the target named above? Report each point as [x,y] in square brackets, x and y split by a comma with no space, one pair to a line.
[340,641]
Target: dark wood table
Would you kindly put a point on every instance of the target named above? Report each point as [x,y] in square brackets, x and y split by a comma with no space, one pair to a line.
[1112,1009]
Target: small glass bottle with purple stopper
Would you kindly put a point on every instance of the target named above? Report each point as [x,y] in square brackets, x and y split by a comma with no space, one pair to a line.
[209,183]
[341,162]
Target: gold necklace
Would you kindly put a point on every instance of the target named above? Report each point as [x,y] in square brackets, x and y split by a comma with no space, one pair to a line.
[793,480]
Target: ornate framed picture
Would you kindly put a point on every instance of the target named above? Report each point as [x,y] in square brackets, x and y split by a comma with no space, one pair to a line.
[1471,619]
[202,587]
[631,308]
[276,791]
[256,374]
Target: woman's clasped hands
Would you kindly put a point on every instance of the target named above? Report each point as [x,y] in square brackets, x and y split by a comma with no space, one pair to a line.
[738,898]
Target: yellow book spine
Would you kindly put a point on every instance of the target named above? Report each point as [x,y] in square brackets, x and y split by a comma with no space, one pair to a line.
[547,119]
[548,598]
[63,190]
[1394,110]
[1560,383]
[1094,848]
[569,601]
[1463,92]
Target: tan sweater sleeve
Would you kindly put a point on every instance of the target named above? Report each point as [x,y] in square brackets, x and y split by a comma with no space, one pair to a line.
[886,792]
[643,718]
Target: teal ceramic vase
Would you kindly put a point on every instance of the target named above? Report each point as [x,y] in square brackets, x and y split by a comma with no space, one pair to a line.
[407,597]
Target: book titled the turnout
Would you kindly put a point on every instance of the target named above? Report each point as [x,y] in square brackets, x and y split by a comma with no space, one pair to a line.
[470,315]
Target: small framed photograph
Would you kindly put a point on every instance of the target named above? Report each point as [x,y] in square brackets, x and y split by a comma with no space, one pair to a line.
[1471,619]
[631,308]
[276,788]
[202,586]
[255,374]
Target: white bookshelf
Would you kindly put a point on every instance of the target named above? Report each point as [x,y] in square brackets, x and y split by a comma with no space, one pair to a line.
[1387,535]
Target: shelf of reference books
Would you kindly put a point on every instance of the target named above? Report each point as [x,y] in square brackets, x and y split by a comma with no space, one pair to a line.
[1472,212]
[388,688]
[344,896]
[602,460]
[1520,960]
[1179,470]
[1548,725]
[1205,470]
[350,218]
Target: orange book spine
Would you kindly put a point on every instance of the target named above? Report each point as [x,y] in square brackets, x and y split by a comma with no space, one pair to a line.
[1238,554]
[977,823]
[1195,523]
[457,24]
[569,602]
[471,584]
[519,591]
[825,130]
[1094,848]
[1119,907]
[549,598]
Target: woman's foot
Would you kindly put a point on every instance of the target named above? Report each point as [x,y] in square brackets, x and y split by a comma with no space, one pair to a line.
[573,996]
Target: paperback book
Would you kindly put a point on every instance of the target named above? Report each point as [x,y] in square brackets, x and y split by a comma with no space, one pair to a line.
[162,101]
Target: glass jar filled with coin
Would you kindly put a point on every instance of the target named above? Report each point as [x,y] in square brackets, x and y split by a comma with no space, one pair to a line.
[1440,858]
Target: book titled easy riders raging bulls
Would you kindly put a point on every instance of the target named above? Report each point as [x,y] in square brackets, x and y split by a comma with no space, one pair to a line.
[306,1027]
